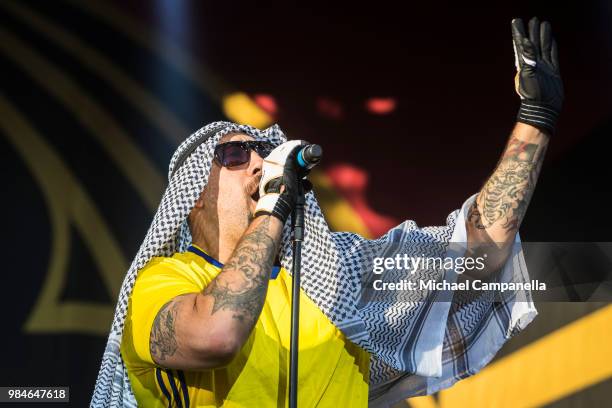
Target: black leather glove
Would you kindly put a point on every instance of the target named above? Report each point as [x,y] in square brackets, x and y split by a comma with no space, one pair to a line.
[537,80]
[280,169]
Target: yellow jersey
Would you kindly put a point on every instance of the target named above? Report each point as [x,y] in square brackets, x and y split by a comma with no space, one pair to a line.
[333,372]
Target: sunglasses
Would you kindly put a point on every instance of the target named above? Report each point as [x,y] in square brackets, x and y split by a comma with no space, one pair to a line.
[232,154]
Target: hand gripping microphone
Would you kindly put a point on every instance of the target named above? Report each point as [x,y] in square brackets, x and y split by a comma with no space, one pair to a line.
[309,156]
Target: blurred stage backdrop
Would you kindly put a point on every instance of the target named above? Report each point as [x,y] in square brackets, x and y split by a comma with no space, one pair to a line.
[412,106]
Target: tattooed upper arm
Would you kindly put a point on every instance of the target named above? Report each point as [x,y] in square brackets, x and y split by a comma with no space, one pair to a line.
[163,343]
[184,338]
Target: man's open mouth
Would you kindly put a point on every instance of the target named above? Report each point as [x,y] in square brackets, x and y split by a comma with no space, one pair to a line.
[255,195]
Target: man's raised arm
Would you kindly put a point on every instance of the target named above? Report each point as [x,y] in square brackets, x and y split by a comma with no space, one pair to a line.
[499,208]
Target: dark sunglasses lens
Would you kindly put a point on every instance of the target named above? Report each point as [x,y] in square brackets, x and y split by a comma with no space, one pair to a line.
[233,155]
[263,149]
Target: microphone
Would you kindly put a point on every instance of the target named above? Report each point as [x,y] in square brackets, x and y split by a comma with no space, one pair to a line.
[309,156]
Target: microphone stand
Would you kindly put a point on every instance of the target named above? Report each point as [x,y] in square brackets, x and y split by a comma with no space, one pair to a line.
[307,158]
[297,226]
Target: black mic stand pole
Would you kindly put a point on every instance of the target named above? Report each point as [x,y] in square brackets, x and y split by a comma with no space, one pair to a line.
[297,225]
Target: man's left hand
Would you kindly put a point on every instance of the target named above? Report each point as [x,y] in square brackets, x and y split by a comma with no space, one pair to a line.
[538,81]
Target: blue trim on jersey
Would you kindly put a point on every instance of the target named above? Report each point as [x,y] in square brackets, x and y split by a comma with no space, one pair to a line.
[181,376]
[164,390]
[210,259]
[175,391]
[204,255]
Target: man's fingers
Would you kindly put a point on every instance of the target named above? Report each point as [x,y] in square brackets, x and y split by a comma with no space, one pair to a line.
[546,41]
[518,29]
[534,34]
[554,56]
[529,53]
[518,33]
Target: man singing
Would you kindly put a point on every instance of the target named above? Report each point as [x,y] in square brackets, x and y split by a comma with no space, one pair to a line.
[203,317]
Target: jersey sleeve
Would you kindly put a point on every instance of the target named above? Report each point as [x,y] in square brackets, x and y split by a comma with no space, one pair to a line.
[157,283]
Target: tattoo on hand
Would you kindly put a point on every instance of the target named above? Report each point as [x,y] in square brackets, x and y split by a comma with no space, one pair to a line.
[506,194]
[163,341]
[253,258]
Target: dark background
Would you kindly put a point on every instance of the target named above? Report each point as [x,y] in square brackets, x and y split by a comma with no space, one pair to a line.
[449,65]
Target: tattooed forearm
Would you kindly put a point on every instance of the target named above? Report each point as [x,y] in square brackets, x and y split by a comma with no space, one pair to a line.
[242,284]
[163,340]
[505,196]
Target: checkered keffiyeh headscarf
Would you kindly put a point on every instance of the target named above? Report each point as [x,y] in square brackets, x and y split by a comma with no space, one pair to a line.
[414,345]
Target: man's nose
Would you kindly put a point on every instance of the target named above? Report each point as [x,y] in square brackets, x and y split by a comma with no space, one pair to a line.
[255,164]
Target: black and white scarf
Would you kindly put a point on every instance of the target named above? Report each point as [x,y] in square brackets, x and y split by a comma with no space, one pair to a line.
[413,342]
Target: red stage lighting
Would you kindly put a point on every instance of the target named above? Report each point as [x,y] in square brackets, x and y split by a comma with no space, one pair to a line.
[329,108]
[266,102]
[381,106]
